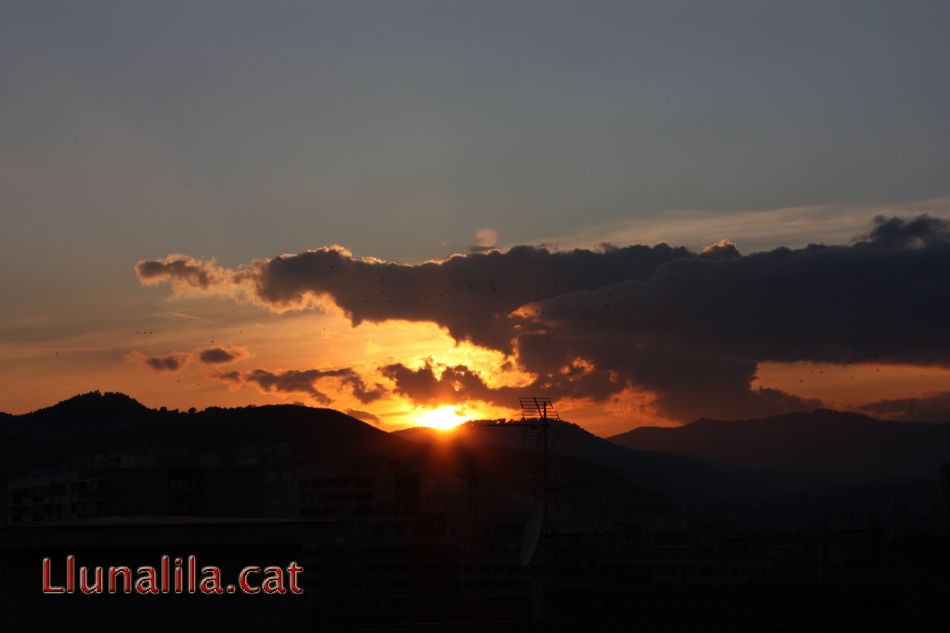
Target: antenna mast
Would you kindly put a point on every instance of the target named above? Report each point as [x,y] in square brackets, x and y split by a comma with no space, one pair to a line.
[538,412]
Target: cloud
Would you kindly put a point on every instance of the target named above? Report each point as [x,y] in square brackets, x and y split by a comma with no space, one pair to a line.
[928,407]
[169,362]
[222,355]
[901,233]
[695,331]
[432,385]
[721,249]
[181,272]
[469,295]
[365,416]
[755,230]
[687,328]
[304,381]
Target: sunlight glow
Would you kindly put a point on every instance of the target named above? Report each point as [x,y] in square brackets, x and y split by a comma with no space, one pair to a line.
[442,418]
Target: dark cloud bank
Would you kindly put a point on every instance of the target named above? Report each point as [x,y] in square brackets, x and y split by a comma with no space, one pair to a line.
[689,328]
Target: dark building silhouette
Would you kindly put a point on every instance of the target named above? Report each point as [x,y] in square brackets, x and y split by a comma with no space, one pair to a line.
[402,532]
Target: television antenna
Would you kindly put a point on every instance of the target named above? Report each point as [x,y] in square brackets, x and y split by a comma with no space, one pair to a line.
[537,414]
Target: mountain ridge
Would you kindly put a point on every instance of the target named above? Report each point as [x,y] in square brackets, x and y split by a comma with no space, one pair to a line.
[823,444]
[283,438]
[788,450]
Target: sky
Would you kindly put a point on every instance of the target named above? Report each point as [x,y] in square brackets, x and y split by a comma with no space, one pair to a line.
[378,136]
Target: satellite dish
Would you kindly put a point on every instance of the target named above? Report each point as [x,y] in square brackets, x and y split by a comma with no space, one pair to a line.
[532,532]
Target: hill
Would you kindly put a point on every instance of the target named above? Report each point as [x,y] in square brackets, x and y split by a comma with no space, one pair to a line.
[808,447]
[656,471]
[102,423]
[803,466]
[282,441]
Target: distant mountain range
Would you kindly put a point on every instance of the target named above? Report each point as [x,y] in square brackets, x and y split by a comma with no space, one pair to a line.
[292,438]
[710,467]
[800,470]
[652,470]
[822,446]
[113,422]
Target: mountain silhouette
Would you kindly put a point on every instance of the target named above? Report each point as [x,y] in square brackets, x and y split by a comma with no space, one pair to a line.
[803,465]
[657,471]
[101,423]
[808,447]
[588,475]
[799,469]
[95,402]
[499,479]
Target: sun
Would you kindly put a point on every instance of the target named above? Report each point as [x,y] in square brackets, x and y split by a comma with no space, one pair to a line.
[442,418]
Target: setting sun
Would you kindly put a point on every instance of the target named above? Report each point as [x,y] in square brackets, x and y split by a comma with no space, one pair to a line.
[442,418]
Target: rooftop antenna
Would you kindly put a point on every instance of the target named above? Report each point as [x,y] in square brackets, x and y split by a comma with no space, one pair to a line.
[536,413]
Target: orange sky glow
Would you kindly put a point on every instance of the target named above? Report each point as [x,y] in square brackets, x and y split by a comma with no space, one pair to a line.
[110,359]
